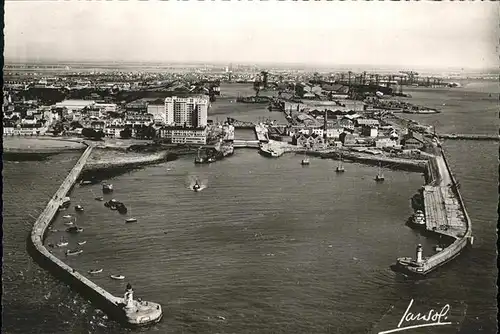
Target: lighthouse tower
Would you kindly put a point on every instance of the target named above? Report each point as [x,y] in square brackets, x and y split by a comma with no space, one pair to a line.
[128,298]
[419,253]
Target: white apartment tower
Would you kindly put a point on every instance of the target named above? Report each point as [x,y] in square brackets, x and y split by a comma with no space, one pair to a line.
[189,111]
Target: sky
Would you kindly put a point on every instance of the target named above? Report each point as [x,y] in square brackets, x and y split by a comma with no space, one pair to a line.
[413,34]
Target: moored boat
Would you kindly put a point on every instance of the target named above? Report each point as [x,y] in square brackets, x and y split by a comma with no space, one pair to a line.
[67,216]
[82,243]
[95,271]
[130,220]
[380,176]
[73,252]
[117,277]
[107,188]
[79,208]
[121,208]
[66,202]
[62,243]
[340,166]
[199,159]
[99,198]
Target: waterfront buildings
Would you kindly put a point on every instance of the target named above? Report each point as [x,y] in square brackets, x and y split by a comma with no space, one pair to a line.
[413,140]
[189,112]
[182,135]
[158,110]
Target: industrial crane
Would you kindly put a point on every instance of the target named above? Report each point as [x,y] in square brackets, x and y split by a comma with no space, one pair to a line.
[411,76]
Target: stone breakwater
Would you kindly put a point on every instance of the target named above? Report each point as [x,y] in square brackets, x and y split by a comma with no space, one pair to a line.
[445,215]
[126,310]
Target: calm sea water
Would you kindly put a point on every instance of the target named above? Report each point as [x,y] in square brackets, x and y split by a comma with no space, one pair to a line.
[269,245]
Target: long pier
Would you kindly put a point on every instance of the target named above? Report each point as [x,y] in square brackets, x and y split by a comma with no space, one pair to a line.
[445,215]
[469,136]
[126,310]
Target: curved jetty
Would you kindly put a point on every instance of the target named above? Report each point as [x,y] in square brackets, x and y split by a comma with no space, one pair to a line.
[126,309]
[445,215]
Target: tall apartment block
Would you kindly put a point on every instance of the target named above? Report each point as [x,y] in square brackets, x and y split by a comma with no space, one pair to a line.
[187,111]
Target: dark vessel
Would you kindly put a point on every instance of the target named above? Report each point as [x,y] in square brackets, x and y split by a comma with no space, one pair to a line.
[196,186]
[121,208]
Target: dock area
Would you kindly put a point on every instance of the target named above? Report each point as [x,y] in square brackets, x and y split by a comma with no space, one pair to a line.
[129,311]
[445,215]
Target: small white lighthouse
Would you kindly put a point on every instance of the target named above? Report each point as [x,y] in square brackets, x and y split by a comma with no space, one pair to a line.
[128,298]
[419,253]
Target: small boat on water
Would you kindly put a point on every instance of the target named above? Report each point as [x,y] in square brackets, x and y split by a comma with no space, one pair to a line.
[79,208]
[67,216]
[99,198]
[199,159]
[121,208]
[305,161]
[130,220]
[85,182]
[73,252]
[196,186]
[211,159]
[340,166]
[69,223]
[74,229]
[107,188]
[62,243]
[95,271]
[65,203]
[82,243]
[380,176]
[117,277]
[438,248]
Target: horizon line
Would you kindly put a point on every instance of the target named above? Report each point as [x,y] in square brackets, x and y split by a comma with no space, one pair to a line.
[13,60]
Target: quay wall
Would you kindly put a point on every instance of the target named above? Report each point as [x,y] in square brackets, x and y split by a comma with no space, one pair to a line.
[461,241]
[456,190]
[100,297]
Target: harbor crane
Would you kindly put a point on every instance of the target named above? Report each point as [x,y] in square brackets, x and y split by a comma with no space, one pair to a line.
[411,76]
